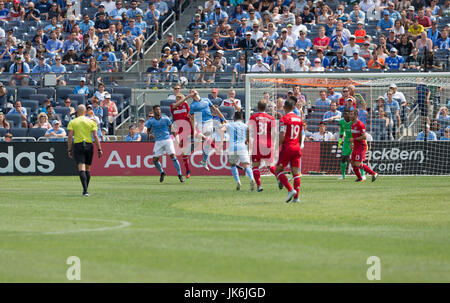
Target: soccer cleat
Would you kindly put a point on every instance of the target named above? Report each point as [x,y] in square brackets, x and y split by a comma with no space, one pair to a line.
[188,174]
[252,185]
[296,200]
[374,177]
[290,195]
[280,185]
[359,180]
[85,194]
[364,177]
[181,178]
[260,189]
[341,178]
[205,165]
[239,167]
[161,178]
[238,186]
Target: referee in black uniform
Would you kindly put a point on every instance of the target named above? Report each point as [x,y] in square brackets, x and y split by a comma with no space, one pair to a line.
[83,129]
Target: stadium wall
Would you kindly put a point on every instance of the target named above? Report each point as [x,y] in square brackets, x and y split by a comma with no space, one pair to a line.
[135,159]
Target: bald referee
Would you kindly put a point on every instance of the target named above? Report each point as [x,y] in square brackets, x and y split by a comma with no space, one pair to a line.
[83,129]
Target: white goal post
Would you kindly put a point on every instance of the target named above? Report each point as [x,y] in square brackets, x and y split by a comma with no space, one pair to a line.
[395,148]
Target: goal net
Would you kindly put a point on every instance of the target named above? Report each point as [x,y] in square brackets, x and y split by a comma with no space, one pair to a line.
[406,117]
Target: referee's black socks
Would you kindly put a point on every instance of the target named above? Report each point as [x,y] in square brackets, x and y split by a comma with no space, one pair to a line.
[88,178]
[83,180]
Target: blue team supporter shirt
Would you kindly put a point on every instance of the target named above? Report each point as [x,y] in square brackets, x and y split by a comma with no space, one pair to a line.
[237,132]
[203,107]
[160,128]
[394,63]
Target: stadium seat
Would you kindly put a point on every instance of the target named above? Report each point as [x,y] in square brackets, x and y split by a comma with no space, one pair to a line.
[166,102]
[216,102]
[62,93]
[37,132]
[25,92]
[166,111]
[39,97]
[64,113]
[105,117]
[126,92]
[3,132]
[16,119]
[19,132]
[48,91]
[118,99]
[79,98]
[144,136]
[227,111]
[11,93]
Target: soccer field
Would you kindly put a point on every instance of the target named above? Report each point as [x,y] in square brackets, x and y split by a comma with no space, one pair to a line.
[134,229]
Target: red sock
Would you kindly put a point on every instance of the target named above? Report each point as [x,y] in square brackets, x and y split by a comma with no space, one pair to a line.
[272,170]
[367,169]
[210,142]
[284,180]
[186,162]
[357,172]
[297,184]
[257,176]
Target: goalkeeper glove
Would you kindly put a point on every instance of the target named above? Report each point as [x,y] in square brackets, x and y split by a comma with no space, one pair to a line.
[340,143]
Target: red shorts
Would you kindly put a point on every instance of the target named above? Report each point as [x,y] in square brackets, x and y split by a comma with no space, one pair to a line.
[358,154]
[290,155]
[258,157]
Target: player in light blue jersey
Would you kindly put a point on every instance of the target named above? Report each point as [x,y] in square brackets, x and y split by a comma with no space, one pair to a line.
[238,149]
[202,116]
[158,128]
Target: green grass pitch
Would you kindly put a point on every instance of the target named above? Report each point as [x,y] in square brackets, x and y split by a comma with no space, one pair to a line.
[134,229]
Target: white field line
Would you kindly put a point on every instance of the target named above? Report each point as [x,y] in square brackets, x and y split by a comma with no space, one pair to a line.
[122,225]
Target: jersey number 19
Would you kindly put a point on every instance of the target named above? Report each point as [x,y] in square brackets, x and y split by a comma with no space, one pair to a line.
[295,130]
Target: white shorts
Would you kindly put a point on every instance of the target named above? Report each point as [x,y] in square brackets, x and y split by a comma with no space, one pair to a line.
[238,156]
[163,145]
[206,128]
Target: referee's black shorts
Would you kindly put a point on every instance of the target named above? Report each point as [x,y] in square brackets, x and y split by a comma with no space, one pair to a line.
[83,153]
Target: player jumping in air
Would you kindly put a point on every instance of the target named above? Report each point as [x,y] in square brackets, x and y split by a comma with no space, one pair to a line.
[359,147]
[158,128]
[238,149]
[261,125]
[183,128]
[290,153]
[345,131]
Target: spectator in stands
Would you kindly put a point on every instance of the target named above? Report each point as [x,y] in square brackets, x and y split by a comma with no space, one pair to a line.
[232,42]
[260,66]
[286,59]
[317,66]
[338,41]
[232,101]
[325,62]
[112,111]
[415,29]
[56,133]
[256,33]
[394,62]
[96,108]
[300,63]
[307,16]
[442,114]
[191,71]
[116,13]
[86,24]
[237,14]
[444,41]
[350,47]
[133,134]
[215,43]
[277,66]
[430,61]
[141,128]
[16,12]
[53,45]
[208,71]
[393,14]
[385,24]
[333,95]
[68,103]
[59,69]
[41,67]
[394,109]
[82,89]
[3,122]
[391,40]
[433,33]
[72,42]
[287,17]
[356,63]
[396,95]
[398,28]
[138,37]
[162,7]
[303,42]
[322,134]
[321,42]
[8,137]
[19,71]
[422,19]
[152,17]
[52,116]
[382,115]
[423,42]
[42,122]
[430,135]
[273,34]
[323,100]
[446,136]
[218,14]
[171,43]
[356,15]
[287,41]
[4,12]
[248,43]
[333,113]
[308,135]
[134,10]
[32,14]
[101,25]
[413,61]
[405,46]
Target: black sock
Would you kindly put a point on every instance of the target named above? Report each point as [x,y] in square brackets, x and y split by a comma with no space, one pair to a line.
[83,180]
[88,178]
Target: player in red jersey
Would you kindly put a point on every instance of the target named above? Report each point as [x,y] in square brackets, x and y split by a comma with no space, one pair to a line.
[359,147]
[290,141]
[261,125]
[183,127]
